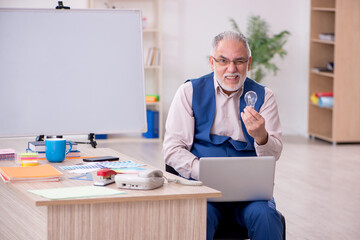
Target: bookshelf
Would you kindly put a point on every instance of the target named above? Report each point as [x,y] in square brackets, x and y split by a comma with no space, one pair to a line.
[151,10]
[341,123]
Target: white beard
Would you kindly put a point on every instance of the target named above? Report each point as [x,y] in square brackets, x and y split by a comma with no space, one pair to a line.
[230,88]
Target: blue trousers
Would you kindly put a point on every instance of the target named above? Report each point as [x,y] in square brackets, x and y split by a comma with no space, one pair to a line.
[260,218]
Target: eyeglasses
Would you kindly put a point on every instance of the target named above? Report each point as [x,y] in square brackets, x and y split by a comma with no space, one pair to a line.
[226,62]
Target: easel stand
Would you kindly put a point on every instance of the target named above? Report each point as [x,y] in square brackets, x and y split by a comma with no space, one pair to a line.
[92,142]
[61,6]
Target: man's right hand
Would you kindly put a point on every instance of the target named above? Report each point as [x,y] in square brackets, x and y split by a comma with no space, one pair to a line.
[255,125]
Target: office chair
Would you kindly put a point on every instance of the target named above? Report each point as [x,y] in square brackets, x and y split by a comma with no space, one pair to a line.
[231,231]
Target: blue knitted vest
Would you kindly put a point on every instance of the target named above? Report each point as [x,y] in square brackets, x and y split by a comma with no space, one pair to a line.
[203,104]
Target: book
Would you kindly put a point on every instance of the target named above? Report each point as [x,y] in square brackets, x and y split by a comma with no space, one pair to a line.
[153,57]
[39,146]
[37,173]
[157,58]
[153,124]
[55,179]
[149,56]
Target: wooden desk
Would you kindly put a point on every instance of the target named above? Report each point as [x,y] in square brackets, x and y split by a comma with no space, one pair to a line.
[171,212]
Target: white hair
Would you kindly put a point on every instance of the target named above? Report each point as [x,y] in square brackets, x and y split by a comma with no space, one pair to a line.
[229,35]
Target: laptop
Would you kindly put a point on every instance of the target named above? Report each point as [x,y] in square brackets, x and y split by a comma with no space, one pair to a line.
[239,178]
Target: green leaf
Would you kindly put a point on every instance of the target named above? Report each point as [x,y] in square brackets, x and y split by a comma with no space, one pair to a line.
[263,47]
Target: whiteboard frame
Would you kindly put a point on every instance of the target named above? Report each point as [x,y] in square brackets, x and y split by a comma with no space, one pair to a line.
[71,72]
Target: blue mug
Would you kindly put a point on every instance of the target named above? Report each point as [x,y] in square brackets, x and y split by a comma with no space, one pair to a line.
[55,149]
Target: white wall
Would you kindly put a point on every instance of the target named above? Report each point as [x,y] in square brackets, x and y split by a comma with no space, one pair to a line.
[42,3]
[190,25]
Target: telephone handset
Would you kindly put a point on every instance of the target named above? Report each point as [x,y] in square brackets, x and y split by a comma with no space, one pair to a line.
[185,182]
[158,173]
[151,173]
[145,180]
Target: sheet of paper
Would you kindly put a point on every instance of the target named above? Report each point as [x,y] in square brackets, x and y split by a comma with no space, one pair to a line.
[76,192]
[88,167]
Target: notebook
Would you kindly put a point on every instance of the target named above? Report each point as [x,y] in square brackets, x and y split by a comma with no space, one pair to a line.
[36,173]
[239,178]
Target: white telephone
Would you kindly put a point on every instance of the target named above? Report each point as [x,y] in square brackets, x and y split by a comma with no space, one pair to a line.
[145,180]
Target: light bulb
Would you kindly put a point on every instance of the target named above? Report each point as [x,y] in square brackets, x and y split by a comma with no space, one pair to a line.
[250,98]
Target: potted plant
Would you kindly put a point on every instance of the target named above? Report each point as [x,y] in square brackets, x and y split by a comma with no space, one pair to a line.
[263,47]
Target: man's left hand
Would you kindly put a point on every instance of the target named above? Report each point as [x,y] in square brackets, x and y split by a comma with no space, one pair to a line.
[255,125]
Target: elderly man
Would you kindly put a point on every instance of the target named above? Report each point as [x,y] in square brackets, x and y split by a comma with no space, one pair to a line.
[209,118]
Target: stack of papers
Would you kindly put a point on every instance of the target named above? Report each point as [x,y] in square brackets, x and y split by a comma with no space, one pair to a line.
[30,174]
[327,36]
[7,154]
[76,192]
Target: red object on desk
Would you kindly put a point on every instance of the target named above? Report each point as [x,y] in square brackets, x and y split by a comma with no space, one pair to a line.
[106,172]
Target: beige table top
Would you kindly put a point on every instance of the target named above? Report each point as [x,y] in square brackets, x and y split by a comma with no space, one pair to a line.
[167,192]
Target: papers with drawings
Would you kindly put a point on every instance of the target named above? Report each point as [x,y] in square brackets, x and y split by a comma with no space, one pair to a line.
[90,167]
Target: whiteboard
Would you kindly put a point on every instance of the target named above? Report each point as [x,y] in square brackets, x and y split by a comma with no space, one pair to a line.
[65,72]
